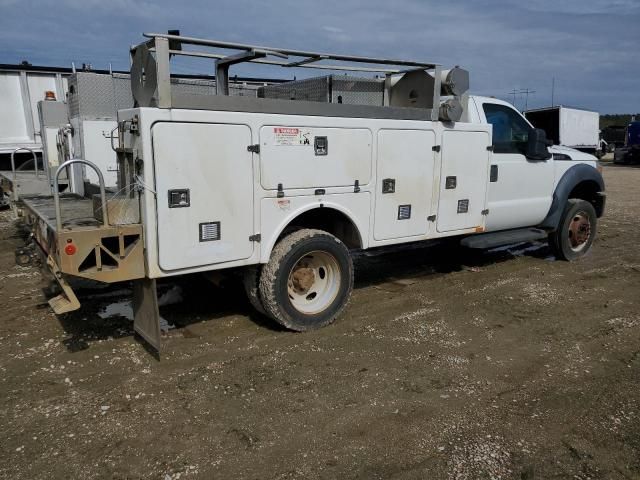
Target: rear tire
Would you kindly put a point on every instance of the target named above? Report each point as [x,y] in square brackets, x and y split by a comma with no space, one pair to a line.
[308,280]
[576,232]
[619,157]
[251,282]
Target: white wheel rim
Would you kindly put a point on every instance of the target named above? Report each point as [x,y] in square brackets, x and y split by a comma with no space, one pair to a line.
[314,282]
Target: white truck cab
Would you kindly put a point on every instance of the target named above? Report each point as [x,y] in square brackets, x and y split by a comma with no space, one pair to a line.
[520,190]
[281,188]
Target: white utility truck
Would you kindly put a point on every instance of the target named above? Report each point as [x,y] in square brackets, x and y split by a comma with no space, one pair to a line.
[281,188]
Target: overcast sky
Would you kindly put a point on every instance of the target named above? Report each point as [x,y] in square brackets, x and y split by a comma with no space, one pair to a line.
[591,47]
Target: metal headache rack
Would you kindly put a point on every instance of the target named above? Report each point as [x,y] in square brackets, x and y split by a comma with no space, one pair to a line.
[407,89]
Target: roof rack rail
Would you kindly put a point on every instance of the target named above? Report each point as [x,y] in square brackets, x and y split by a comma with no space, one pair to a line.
[150,69]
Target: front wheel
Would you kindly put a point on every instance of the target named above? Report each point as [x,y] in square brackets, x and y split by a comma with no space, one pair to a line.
[576,231]
[308,280]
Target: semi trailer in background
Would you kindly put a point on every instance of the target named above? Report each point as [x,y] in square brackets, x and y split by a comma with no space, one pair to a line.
[569,127]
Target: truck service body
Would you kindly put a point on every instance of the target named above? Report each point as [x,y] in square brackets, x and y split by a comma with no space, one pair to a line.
[205,152]
[280,191]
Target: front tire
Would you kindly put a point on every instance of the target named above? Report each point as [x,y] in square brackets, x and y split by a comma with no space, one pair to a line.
[576,231]
[308,280]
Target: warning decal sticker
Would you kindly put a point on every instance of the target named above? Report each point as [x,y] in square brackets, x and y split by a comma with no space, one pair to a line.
[287,136]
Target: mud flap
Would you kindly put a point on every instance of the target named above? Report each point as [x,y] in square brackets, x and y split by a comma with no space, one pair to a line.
[146,316]
[67,301]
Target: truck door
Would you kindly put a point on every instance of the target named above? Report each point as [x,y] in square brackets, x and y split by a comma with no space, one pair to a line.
[405,183]
[204,193]
[463,180]
[520,190]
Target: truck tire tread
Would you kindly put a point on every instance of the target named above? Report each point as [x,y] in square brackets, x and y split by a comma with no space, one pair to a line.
[271,275]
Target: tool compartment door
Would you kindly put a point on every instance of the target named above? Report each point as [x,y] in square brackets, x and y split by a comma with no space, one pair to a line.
[292,156]
[405,183]
[463,180]
[204,184]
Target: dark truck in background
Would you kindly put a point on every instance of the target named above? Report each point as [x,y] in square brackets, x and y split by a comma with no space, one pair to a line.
[630,152]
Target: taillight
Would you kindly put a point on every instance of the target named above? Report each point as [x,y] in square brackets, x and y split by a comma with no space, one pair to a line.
[70,249]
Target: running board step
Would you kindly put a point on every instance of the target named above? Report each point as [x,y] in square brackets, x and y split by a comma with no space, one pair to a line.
[497,239]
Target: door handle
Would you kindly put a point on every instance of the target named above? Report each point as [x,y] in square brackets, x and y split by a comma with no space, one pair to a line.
[450,183]
[493,174]
[389,185]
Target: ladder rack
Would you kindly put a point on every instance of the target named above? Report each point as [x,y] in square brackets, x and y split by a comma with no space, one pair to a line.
[150,70]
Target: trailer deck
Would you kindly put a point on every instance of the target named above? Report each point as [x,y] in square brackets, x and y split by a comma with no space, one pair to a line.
[77,210]
[26,183]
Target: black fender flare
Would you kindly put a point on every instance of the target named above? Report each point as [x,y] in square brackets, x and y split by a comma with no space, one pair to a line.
[571,178]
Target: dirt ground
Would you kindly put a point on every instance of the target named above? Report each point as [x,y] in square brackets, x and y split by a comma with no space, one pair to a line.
[497,365]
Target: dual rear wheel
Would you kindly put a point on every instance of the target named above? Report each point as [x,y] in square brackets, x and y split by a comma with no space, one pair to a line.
[307,282]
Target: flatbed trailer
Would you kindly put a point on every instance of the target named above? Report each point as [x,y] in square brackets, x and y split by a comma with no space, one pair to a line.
[17,182]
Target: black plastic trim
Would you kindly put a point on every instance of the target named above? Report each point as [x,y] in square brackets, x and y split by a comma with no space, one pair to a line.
[571,178]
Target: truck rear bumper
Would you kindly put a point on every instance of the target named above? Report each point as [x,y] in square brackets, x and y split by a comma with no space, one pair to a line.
[83,247]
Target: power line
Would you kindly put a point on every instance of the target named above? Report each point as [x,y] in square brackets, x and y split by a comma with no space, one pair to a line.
[522,91]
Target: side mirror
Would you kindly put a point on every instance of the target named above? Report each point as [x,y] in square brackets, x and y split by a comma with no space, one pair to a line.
[537,145]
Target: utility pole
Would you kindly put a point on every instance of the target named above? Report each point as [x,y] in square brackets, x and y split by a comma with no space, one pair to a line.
[526,91]
[513,93]
[553,88]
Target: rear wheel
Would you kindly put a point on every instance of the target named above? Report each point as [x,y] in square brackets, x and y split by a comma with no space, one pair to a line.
[576,231]
[308,280]
[619,156]
[251,280]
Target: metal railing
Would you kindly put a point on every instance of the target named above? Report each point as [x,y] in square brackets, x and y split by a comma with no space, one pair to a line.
[151,71]
[15,173]
[56,193]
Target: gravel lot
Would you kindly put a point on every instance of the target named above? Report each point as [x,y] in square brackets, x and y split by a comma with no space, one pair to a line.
[502,364]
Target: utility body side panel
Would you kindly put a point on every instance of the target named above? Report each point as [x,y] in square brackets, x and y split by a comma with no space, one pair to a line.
[207,153]
[290,157]
[204,186]
[463,180]
[404,189]
[277,213]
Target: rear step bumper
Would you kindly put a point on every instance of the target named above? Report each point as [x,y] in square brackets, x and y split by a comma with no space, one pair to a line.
[497,239]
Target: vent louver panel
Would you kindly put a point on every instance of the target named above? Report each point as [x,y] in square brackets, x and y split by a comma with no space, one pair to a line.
[209,231]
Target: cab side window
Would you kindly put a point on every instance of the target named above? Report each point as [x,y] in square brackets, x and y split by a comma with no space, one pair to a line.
[510,130]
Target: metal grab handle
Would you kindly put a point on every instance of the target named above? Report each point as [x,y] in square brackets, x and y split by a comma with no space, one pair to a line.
[13,168]
[56,193]
[111,137]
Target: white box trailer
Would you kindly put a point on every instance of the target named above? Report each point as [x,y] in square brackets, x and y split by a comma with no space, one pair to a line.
[569,127]
[21,88]
[279,191]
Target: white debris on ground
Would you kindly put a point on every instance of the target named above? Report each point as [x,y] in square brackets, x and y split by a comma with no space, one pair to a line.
[123,308]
